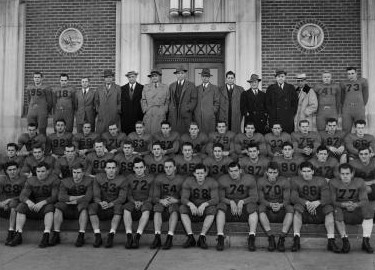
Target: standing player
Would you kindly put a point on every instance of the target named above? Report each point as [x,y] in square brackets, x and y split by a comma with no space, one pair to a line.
[288,163]
[324,165]
[199,199]
[305,141]
[217,164]
[167,198]
[60,139]
[254,164]
[84,142]
[275,140]
[334,139]
[312,204]
[38,157]
[11,185]
[186,162]
[75,194]
[39,98]
[353,141]
[242,140]
[30,138]
[125,158]
[37,200]
[198,139]
[155,161]
[274,205]
[109,194]
[238,202]
[351,206]
[140,190]
[64,102]
[141,141]
[329,100]
[113,139]
[96,161]
[63,166]
[223,136]
[168,139]
[354,97]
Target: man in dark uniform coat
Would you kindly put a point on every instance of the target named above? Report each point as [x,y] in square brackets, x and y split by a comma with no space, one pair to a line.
[282,102]
[131,110]
[253,106]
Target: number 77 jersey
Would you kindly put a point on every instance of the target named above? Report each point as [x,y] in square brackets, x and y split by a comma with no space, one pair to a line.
[355,191]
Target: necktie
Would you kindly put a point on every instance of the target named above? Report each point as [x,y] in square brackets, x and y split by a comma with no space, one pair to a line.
[108,86]
[156,85]
[281,86]
[255,92]
[84,92]
[131,92]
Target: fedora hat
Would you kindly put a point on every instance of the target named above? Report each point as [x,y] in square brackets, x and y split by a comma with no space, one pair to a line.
[254,77]
[206,72]
[132,72]
[154,71]
[301,76]
[108,73]
[280,71]
[179,69]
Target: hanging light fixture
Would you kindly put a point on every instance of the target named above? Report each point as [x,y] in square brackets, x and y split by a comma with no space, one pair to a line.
[174,7]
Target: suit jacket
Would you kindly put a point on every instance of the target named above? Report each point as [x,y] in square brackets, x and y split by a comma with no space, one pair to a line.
[254,109]
[85,107]
[224,107]
[131,109]
[180,117]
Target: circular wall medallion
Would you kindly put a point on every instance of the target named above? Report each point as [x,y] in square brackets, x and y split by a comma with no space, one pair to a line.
[310,36]
[71,40]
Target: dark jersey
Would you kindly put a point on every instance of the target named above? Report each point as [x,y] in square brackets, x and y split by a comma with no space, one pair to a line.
[242,141]
[274,192]
[288,167]
[155,166]
[140,188]
[336,139]
[244,188]
[170,144]
[185,167]
[198,194]
[310,190]
[114,142]
[25,140]
[199,143]
[83,142]
[4,159]
[63,97]
[227,140]
[354,91]
[57,142]
[355,191]
[141,144]
[69,188]
[366,172]
[63,166]
[11,189]
[257,169]
[106,190]
[300,141]
[125,164]
[328,95]
[353,142]
[274,143]
[326,169]
[30,164]
[96,164]
[167,186]
[37,191]
[217,168]
[39,97]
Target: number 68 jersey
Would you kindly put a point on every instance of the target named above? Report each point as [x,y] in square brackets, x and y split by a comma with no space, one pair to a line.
[355,191]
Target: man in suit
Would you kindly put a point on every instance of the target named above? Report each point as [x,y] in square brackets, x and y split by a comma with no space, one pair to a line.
[131,110]
[282,102]
[183,101]
[253,106]
[230,96]
[85,107]
[208,102]
[107,103]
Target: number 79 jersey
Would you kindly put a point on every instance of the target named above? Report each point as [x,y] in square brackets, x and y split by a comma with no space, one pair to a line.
[355,191]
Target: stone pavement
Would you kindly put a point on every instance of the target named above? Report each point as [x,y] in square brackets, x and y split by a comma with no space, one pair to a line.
[67,257]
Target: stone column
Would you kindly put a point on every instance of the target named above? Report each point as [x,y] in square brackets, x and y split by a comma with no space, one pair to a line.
[230,52]
[11,69]
[368,56]
[147,58]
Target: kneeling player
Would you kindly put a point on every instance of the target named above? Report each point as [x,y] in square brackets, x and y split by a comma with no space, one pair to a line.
[311,198]
[109,193]
[351,206]
[75,194]
[167,194]
[239,192]
[274,205]
[139,202]
[199,199]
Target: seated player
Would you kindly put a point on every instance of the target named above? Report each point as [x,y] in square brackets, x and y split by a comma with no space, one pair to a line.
[199,199]
[224,136]
[242,140]
[198,139]
[333,139]
[96,161]
[217,163]
[109,194]
[288,163]
[155,161]
[169,140]
[31,162]
[238,202]
[125,158]
[30,138]
[75,194]
[312,204]
[253,163]
[58,140]
[141,141]
[84,142]
[349,198]
[274,205]
[113,138]
[167,198]
[305,141]
[11,185]
[11,155]
[139,203]
[275,139]
[37,201]
[187,161]
[64,165]
[353,141]
[324,165]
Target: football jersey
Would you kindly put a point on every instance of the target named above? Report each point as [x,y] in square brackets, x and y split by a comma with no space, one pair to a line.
[354,91]
[25,140]
[366,172]
[18,159]
[199,143]
[227,140]
[336,139]
[30,164]
[170,144]
[353,142]
[140,188]
[197,194]
[244,188]
[217,168]
[274,191]
[309,190]
[82,142]
[64,167]
[242,141]
[39,96]
[326,169]
[105,190]
[142,143]
[69,188]
[257,169]
[274,143]
[355,191]
[288,167]
[125,164]
[114,142]
[37,190]
[185,167]
[57,142]
[155,166]
[96,164]
[10,189]
[167,186]
[328,94]
[300,141]
[63,97]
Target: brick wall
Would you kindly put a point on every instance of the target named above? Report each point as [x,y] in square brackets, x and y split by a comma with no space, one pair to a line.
[342,48]
[44,19]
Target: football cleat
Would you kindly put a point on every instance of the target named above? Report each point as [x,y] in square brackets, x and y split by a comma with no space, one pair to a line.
[345,245]
[366,245]
[157,242]
[136,239]
[168,242]
[10,237]
[271,243]
[251,242]
[281,244]
[98,240]
[220,243]
[109,243]
[45,241]
[80,239]
[17,240]
[332,246]
[190,241]
[55,239]
[129,241]
[296,243]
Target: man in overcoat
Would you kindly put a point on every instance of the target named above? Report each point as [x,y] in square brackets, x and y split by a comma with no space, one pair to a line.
[85,106]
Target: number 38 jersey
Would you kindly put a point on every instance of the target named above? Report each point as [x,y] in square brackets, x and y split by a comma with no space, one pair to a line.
[274,192]
[355,191]
[310,190]
[109,190]
[140,188]
[198,194]
[244,188]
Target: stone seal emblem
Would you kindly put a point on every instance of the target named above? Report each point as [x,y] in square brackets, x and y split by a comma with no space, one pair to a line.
[310,36]
[71,40]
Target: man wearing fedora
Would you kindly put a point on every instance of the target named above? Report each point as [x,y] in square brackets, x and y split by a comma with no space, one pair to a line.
[208,103]
[230,96]
[107,103]
[253,106]
[182,103]
[155,101]
[282,102]
[131,96]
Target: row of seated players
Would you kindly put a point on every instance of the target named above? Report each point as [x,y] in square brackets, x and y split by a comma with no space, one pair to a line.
[235,196]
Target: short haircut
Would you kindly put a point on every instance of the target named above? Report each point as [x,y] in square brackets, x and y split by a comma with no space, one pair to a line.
[12,145]
[200,166]
[351,68]
[221,122]
[111,161]
[85,77]
[170,160]
[165,122]
[193,124]
[230,73]
[61,120]
[217,145]
[43,164]
[139,160]
[249,123]
[321,148]
[359,122]
[78,165]
[70,145]
[64,75]
[99,140]
[252,145]
[156,143]
[306,164]
[363,147]
[277,124]
[127,142]
[234,164]
[346,166]
[38,73]
[287,144]
[139,123]
[32,124]
[303,121]
[273,165]
[38,146]
[331,120]
[10,164]
[187,144]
